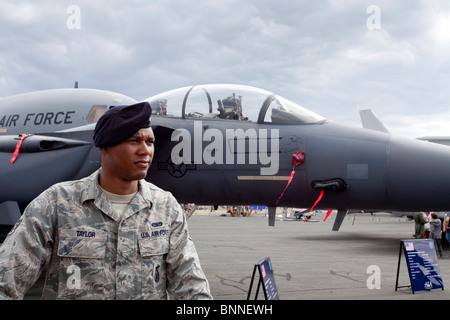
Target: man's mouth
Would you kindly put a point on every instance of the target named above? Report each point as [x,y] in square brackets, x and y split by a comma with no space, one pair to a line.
[142,164]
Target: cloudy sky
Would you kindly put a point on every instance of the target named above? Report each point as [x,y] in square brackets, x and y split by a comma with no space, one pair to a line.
[334,57]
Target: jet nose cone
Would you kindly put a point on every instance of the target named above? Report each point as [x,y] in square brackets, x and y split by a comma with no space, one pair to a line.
[418,177]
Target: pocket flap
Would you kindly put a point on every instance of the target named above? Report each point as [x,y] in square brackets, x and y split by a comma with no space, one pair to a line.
[82,243]
[153,245]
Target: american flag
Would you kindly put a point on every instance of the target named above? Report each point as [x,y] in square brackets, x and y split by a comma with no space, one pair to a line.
[263,271]
[409,246]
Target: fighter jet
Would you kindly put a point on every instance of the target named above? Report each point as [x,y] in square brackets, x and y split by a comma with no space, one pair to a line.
[235,145]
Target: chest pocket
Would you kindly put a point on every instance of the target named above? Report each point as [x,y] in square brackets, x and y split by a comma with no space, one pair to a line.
[153,248]
[82,243]
[153,243]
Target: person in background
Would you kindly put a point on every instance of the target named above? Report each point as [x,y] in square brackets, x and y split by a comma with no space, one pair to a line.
[446,227]
[426,227]
[436,233]
[419,224]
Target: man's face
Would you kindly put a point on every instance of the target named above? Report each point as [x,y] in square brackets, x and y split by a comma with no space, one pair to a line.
[131,159]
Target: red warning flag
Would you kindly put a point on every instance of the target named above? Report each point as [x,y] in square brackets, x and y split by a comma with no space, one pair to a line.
[18,145]
[296,159]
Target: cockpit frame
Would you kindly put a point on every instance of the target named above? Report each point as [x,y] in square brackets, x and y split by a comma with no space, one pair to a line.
[230,106]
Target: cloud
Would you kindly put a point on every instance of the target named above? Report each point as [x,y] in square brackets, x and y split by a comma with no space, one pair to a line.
[320,54]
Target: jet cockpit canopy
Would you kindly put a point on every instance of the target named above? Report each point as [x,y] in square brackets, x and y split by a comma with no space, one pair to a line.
[231,102]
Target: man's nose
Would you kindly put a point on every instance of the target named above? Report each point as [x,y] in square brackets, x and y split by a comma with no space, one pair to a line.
[145,148]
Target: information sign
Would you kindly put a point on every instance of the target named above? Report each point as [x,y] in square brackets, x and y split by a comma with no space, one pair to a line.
[422,263]
[266,280]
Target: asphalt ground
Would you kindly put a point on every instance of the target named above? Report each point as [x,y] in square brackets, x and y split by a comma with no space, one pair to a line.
[310,262]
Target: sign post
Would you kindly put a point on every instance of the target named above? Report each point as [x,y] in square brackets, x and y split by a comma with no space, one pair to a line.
[422,263]
[266,280]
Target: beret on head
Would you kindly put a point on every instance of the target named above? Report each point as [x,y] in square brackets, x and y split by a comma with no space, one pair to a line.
[121,122]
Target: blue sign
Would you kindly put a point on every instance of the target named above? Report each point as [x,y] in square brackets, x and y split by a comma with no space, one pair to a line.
[268,279]
[422,262]
[258,207]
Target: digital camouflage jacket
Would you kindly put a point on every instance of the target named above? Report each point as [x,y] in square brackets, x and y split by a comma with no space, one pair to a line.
[72,232]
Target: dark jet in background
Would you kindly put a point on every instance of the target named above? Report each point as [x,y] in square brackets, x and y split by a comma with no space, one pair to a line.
[229,144]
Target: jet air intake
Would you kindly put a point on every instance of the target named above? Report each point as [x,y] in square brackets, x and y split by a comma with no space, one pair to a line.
[37,163]
[37,143]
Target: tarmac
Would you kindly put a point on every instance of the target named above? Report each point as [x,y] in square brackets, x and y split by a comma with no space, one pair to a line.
[310,262]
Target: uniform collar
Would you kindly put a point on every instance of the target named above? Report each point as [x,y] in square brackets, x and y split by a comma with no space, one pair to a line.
[93,192]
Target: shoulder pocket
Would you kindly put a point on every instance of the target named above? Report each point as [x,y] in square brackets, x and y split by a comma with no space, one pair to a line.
[82,243]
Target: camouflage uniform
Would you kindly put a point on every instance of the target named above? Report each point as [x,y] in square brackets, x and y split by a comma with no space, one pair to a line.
[91,254]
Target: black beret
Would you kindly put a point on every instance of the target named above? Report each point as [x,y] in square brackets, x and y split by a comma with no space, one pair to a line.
[121,122]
